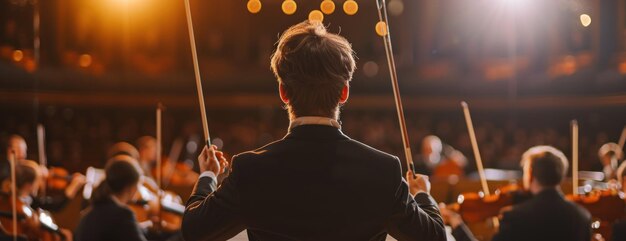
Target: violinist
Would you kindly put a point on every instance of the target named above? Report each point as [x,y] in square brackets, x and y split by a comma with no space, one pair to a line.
[17,144]
[316,183]
[545,216]
[27,174]
[108,217]
[439,160]
[146,146]
[619,228]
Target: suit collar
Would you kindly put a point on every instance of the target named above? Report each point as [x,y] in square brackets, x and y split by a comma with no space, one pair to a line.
[315,132]
[550,193]
[314,120]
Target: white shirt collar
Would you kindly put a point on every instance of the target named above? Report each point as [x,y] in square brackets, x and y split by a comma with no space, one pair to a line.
[314,120]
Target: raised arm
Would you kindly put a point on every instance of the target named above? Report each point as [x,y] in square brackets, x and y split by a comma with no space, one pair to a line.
[415,213]
[212,213]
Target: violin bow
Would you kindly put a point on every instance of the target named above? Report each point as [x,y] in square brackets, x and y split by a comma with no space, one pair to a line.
[43,161]
[159,170]
[574,125]
[479,161]
[13,194]
[196,68]
[382,17]
[472,135]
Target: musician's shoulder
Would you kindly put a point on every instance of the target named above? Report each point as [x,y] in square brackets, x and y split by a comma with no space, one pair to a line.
[257,152]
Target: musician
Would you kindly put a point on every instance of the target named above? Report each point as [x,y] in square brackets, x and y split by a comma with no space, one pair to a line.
[146,147]
[316,183]
[547,215]
[619,228]
[27,175]
[430,155]
[17,145]
[610,154]
[108,217]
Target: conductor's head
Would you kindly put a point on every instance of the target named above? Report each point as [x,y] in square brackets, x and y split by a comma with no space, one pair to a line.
[544,168]
[313,68]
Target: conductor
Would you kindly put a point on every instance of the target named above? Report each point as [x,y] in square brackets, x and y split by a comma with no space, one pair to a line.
[316,183]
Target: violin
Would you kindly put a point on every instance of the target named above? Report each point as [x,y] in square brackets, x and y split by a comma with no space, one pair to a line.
[477,207]
[36,225]
[605,205]
[147,205]
[58,178]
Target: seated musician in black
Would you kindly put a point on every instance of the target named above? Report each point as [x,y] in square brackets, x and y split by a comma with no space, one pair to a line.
[17,145]
[316,183]
[545,216]
[108,218]
[619,228]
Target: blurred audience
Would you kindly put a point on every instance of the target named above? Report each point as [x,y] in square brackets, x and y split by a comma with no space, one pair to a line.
[77,139]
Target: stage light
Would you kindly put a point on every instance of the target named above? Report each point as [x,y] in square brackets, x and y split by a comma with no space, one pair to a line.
[84,60]
[396,7]
[585,20]
[254,6]
[327,7]
[18,55]
[289,7]
[316,16]
[350,7]
[381,28]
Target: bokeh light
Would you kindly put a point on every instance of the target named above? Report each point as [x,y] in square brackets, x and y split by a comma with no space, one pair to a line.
[381,28]
[18,55]
[396,7]
[370,69]
[350,7]
[316,16]
[254,6]
[585,20]
[327,7]
[84,60]
[289,7]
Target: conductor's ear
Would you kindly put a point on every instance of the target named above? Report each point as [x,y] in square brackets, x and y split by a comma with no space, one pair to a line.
[283,93]
[345,93]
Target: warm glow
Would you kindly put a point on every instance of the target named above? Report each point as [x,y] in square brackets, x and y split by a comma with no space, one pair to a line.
[84,60]
[327,7]
[125,3]
[18,55]
[316,16]
[585,20]
[254,6]
[350,7]
[381,28]
[289,7]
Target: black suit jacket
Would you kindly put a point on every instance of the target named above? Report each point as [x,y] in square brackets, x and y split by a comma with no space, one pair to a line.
[108,221]
[546,216]
[314,184]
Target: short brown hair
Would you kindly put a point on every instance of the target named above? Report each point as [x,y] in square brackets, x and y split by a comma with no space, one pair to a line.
[313,66]
[547,163]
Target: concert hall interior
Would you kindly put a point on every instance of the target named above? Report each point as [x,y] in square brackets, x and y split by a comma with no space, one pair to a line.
[312,120]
